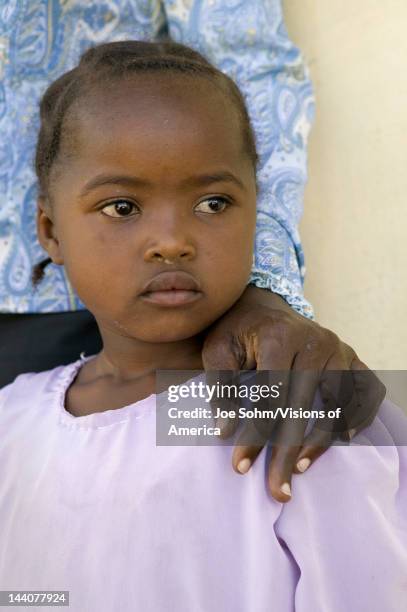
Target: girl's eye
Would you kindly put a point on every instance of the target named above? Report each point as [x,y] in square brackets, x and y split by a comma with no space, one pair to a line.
[212,205]
[120,208]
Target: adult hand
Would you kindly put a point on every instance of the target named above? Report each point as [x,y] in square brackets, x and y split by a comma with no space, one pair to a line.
[261,331]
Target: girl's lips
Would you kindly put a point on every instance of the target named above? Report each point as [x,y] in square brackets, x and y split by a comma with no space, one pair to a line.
[172,297]
[172,288]
[171,280]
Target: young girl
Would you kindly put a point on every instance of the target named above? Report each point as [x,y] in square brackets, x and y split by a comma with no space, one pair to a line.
[146,164]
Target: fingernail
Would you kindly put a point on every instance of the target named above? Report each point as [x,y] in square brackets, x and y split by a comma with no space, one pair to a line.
[286,489]
[303,464]
[244,465]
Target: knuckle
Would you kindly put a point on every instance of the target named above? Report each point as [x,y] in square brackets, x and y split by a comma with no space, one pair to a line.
[277,341]
[272,332]
[331,339]
[278,319]
[323,340]
[336,341]
[314,343]
[348,349]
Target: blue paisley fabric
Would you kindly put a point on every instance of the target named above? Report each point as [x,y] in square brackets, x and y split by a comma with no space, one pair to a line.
[41,39]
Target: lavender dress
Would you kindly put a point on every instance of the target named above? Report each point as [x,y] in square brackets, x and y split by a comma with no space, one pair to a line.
[92,506]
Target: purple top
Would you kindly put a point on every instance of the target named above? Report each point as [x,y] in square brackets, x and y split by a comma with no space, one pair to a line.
[91,505]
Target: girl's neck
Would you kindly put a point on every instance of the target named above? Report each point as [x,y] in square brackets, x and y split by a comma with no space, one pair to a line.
[126,358]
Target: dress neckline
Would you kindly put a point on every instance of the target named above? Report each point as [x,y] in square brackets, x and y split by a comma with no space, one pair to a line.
[96,420]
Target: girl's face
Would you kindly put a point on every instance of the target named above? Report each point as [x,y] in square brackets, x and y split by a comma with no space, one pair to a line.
[154,184]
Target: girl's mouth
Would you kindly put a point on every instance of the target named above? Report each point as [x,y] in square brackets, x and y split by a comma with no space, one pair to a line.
[171,297]
[175,288]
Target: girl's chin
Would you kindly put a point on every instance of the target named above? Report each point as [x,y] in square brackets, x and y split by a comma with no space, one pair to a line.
[159,327]
[157,332]
[163,337]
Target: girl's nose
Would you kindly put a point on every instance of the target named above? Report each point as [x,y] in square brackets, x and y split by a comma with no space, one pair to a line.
[170,251]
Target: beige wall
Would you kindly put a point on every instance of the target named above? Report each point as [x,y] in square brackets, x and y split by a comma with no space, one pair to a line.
[355,223]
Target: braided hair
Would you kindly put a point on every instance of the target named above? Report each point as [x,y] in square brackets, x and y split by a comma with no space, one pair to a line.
[112,61]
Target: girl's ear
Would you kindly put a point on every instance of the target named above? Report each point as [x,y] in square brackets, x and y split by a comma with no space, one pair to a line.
[46,231]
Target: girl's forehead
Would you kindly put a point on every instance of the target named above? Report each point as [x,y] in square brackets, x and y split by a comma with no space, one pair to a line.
[176,99]
[161,118]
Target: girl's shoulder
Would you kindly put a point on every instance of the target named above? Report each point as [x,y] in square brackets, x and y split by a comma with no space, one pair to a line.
[33,386]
